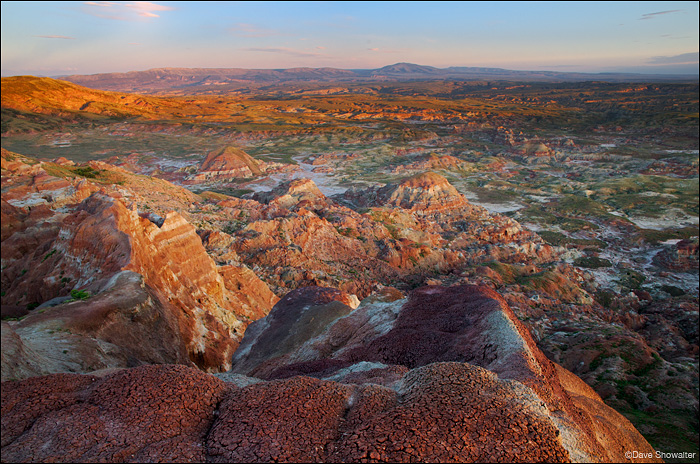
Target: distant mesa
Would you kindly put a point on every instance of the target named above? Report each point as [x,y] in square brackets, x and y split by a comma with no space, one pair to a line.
[43,95]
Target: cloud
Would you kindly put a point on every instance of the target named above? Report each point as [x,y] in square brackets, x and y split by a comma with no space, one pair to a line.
[284,51]
[251,30]
[55,37]
[120,11]
[658,13]
[685,58]
[146,8]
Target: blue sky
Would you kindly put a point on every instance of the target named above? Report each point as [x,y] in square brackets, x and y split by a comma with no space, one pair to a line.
[58,38]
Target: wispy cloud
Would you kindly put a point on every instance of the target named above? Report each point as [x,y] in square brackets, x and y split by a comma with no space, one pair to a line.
[147,8]
[658,13]
[252,30]
[55,37]
[284,51]
[120,11]
[684,58]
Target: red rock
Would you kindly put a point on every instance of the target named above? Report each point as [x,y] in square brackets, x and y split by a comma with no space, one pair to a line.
[439,412]
[151,413]
[465,324]
[102,238]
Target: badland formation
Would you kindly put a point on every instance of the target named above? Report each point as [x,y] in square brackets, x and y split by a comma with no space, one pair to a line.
[325,265]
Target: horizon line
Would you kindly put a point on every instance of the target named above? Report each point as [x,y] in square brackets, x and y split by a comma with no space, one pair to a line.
[448,68]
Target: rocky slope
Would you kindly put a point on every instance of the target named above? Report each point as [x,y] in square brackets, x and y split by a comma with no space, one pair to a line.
[140,271]
[387,342]
[447,375]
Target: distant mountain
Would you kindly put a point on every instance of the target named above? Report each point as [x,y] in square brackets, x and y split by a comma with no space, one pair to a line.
[407,68]
[194,80]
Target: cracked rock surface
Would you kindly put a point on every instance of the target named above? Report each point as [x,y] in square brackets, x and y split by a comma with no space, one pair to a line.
[446,375]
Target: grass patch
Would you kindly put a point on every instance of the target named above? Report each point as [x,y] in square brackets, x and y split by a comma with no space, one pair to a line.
[559,239]
[605,297]
[508,272]
[655,237]
[214,196]
[101,176]
[592,262]
[495,195]
[575,205]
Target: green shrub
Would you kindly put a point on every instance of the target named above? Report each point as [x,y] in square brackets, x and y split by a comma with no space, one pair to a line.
[79,294]
[86,172]
[48,255]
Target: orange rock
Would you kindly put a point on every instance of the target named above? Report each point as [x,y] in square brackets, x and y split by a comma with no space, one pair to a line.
[226,163]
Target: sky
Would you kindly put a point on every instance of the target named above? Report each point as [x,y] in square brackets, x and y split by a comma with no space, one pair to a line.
[62,38]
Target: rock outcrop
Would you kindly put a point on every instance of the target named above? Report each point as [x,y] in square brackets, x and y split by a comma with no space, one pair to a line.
[126,324]
[301,192]
[422,192]
[117,287]
[226,163]
[455,339]
[447,375]
[146,414]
